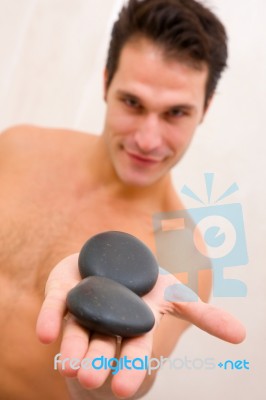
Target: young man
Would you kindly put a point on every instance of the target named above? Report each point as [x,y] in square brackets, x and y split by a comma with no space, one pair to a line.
[61,187]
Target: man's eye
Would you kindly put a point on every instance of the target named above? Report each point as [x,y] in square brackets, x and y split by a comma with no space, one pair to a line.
[176,112]
[133,103]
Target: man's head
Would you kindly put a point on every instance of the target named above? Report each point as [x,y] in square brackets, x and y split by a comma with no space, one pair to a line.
[164,62]
[184,30]
[154,106]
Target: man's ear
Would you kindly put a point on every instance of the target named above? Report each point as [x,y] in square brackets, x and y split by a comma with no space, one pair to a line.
[105,80]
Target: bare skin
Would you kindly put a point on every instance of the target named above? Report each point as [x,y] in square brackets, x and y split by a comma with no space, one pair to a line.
[39,228]
[59,187]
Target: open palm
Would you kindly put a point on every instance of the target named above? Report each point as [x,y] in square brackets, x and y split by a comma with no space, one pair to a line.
[167,296]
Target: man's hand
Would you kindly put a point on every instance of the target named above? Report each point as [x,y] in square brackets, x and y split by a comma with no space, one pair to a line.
[168,296]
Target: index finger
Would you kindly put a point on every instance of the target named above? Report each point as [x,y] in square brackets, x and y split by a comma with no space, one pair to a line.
[211,319]
[186,304]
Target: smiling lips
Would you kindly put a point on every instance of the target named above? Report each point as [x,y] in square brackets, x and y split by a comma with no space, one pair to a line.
[143,160]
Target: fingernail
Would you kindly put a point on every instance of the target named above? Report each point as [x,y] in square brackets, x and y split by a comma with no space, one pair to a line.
[179,293]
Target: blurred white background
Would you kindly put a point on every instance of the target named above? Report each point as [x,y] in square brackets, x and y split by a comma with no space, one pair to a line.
[52,55]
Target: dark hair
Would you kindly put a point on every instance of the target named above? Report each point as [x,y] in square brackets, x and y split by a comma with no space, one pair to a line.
[184,29]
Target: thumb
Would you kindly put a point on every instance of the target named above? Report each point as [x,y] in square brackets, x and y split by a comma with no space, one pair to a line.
[187,305]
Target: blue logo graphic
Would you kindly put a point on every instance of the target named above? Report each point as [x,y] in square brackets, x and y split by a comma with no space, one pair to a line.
[198,239]
[238,365]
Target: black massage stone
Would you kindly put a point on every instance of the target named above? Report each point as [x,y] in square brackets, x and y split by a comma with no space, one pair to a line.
[120,257]
[105,306]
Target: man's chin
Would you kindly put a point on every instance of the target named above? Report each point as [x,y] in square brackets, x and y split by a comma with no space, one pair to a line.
[139,181]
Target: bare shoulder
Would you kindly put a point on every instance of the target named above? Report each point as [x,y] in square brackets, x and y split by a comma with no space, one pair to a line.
[30,143]
[31,136]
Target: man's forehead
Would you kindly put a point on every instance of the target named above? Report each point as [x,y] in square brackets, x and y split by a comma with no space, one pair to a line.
[141,46]
[144,70]
[141,57]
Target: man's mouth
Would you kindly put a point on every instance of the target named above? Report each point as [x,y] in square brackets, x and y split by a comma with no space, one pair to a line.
[142,159]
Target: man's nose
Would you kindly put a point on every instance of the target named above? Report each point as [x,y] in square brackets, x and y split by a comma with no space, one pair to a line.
[149,136]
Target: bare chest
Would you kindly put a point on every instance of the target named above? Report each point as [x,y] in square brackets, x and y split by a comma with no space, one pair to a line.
[39,231]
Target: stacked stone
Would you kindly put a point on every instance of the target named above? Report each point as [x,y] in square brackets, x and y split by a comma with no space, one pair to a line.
[117,269]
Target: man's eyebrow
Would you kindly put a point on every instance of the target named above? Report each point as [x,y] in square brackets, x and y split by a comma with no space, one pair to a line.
[183,106]
[128,94]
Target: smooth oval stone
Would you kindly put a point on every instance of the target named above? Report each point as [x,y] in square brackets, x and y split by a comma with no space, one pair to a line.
[105,306]
[120,257]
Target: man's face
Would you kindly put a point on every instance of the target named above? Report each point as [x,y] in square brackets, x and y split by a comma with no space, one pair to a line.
[153,108]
